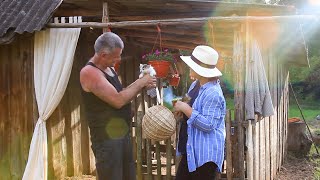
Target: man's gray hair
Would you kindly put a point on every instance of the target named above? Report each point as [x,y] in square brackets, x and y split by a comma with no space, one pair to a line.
[107,42]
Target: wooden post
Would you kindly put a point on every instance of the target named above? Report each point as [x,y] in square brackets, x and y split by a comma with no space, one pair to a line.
[262,149]
[239,67]
[229,146]
[158,161]
[139,136]
[255,138]
[169,158]
[268,151]
[265,56]
[278,115]
[249,155]
[148,144]
[273,119]
[149,162]
[105,16]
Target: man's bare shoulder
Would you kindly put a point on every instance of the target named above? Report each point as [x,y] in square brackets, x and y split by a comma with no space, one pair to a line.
[89,76]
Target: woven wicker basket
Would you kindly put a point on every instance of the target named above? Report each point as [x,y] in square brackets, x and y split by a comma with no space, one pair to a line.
[158,123]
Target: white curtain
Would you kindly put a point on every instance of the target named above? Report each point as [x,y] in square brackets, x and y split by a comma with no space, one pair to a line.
[53,57]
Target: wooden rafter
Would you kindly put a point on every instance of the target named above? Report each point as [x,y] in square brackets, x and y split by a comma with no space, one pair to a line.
[186,21]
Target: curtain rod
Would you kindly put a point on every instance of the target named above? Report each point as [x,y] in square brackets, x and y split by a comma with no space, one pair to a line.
[233,19]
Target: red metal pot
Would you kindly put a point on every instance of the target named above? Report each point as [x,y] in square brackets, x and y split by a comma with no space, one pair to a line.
[161,67]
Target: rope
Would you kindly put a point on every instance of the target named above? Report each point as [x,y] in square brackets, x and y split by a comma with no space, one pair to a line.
[158,35]
[303,117]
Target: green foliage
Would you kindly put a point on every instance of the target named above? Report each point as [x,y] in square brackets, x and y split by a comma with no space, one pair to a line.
[158,55]
[185,52]
[305,80]
[298,74]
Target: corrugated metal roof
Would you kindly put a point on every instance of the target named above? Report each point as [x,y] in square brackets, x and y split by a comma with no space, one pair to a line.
[25,15]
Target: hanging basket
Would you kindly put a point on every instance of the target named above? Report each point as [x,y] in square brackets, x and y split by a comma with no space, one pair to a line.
[158,123]
[174,80]
[161,67]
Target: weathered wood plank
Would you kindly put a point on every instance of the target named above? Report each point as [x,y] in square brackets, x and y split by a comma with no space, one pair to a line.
[139,137]
[233,20]
[274,118]
[281,86]
[4,113]
[249,154]
[105,15]
[229,146]
[148,144]
[158,161]
[266,61]
[16,108]
[287,113]
[169,158]
[256,153]
[278,117]
[262,147]
[267,147]
[238,67]
[149,162]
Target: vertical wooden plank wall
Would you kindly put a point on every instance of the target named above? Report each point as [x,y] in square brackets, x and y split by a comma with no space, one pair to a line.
[267,119]
[4,111]
[273,119]
[256,150]
[229,164]
[266,138]
[238,67]
[286,110]
[16,107]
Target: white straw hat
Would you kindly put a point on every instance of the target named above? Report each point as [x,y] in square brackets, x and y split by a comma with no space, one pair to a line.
[203,61]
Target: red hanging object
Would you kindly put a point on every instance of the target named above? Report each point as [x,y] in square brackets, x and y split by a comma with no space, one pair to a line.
[161,67]
[174,79]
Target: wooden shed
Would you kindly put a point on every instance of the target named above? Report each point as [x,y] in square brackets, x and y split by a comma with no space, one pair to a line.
[256,147]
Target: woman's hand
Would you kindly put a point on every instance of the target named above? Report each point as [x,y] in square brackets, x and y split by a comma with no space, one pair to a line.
[178,115]
[183,107]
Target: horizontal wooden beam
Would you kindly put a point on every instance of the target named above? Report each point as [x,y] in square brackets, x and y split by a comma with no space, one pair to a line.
[141,8]
[184,30]
[166,44]
[222,41]
[229,19]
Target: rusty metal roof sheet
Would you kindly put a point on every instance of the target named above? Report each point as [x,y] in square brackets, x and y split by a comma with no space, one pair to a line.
[25,15]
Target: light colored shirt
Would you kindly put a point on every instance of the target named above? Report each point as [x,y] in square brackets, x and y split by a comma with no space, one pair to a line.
[206,127]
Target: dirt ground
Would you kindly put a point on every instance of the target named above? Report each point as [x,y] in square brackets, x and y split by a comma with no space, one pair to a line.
[83,177]
[297,168]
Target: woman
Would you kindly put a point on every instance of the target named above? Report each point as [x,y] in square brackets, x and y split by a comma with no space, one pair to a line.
[202,133]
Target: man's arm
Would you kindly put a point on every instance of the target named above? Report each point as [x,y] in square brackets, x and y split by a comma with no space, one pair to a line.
[93,80]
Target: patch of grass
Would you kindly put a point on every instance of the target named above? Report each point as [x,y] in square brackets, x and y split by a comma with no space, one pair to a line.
[315,159]
[309,111]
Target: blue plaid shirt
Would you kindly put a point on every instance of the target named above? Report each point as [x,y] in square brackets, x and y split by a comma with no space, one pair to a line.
[206,127]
